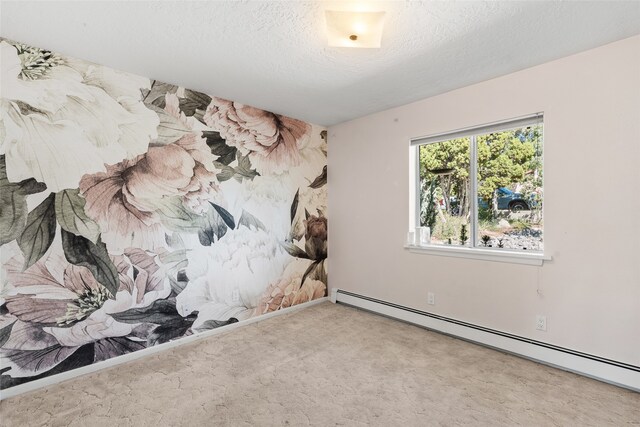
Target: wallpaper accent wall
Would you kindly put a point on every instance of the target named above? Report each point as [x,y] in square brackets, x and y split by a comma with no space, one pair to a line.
[135,212]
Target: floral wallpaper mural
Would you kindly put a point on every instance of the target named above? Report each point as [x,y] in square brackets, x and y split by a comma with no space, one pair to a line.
[135,212]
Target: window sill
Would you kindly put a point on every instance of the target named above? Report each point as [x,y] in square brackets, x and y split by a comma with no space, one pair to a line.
[481,254]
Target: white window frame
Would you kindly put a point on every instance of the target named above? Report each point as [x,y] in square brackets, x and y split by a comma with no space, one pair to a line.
[473,251]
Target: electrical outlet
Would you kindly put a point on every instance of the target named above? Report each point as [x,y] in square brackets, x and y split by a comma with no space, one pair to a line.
[541,322]
[235,295]
[431,298]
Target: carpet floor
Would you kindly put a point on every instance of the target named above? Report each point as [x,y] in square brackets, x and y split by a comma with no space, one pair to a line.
[327,365]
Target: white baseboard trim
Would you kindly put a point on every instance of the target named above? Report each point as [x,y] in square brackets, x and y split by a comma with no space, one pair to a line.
[64,376]
[334,295]
[610,371]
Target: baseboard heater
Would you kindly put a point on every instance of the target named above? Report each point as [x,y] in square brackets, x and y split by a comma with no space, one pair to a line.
[600,368]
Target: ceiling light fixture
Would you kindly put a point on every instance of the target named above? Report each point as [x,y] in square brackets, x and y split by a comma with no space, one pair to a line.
[354,29]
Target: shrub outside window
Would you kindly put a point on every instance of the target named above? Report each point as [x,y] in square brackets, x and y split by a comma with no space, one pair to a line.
[482,187]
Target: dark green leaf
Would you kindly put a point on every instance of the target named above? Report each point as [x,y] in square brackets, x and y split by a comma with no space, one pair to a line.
[199,115]
[194,101]
[160,312]
[218,146]
[294,251]
[294,205]
[188,106]
[225,215]
[81,251]
[316,247]
[207,236]
[177,286]
[320,274]
[213,324]
[203,100]
[27,186]
[320,180]
[170,128]
[41,360]
[166,332]
[213,228]
[249,220]
[82,356]
[176,217]
[71,216]
[13,213]
[117,346]
[155,96]
[13,204]
[243,170]
[310,270]
[227,171]
[5,333]
[31,186]
[39,231]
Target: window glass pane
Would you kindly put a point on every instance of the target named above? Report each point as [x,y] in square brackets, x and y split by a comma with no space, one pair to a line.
[444,191]
[510,192]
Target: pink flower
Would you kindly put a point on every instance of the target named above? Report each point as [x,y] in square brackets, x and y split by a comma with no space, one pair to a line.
[53,291]
[288,291]
[271,140]
[130,200]
[60,307]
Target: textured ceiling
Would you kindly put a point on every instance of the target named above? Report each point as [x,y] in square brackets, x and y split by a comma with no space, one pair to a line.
[273,54]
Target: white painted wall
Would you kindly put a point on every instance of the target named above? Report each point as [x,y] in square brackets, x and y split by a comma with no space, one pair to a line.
[590,292]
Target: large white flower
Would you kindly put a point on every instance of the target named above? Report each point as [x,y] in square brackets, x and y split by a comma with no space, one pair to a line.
[266,198]
[313,154]
[228,278]
[61,118]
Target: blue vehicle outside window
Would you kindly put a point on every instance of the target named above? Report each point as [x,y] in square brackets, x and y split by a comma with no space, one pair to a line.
[507,199]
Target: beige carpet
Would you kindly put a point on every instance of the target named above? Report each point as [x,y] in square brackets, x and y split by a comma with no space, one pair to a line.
[327,365]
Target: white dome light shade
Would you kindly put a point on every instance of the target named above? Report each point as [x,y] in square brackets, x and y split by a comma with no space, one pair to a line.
[354,29]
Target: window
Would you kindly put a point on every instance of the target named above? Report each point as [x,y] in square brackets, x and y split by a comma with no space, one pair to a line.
[482,187]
